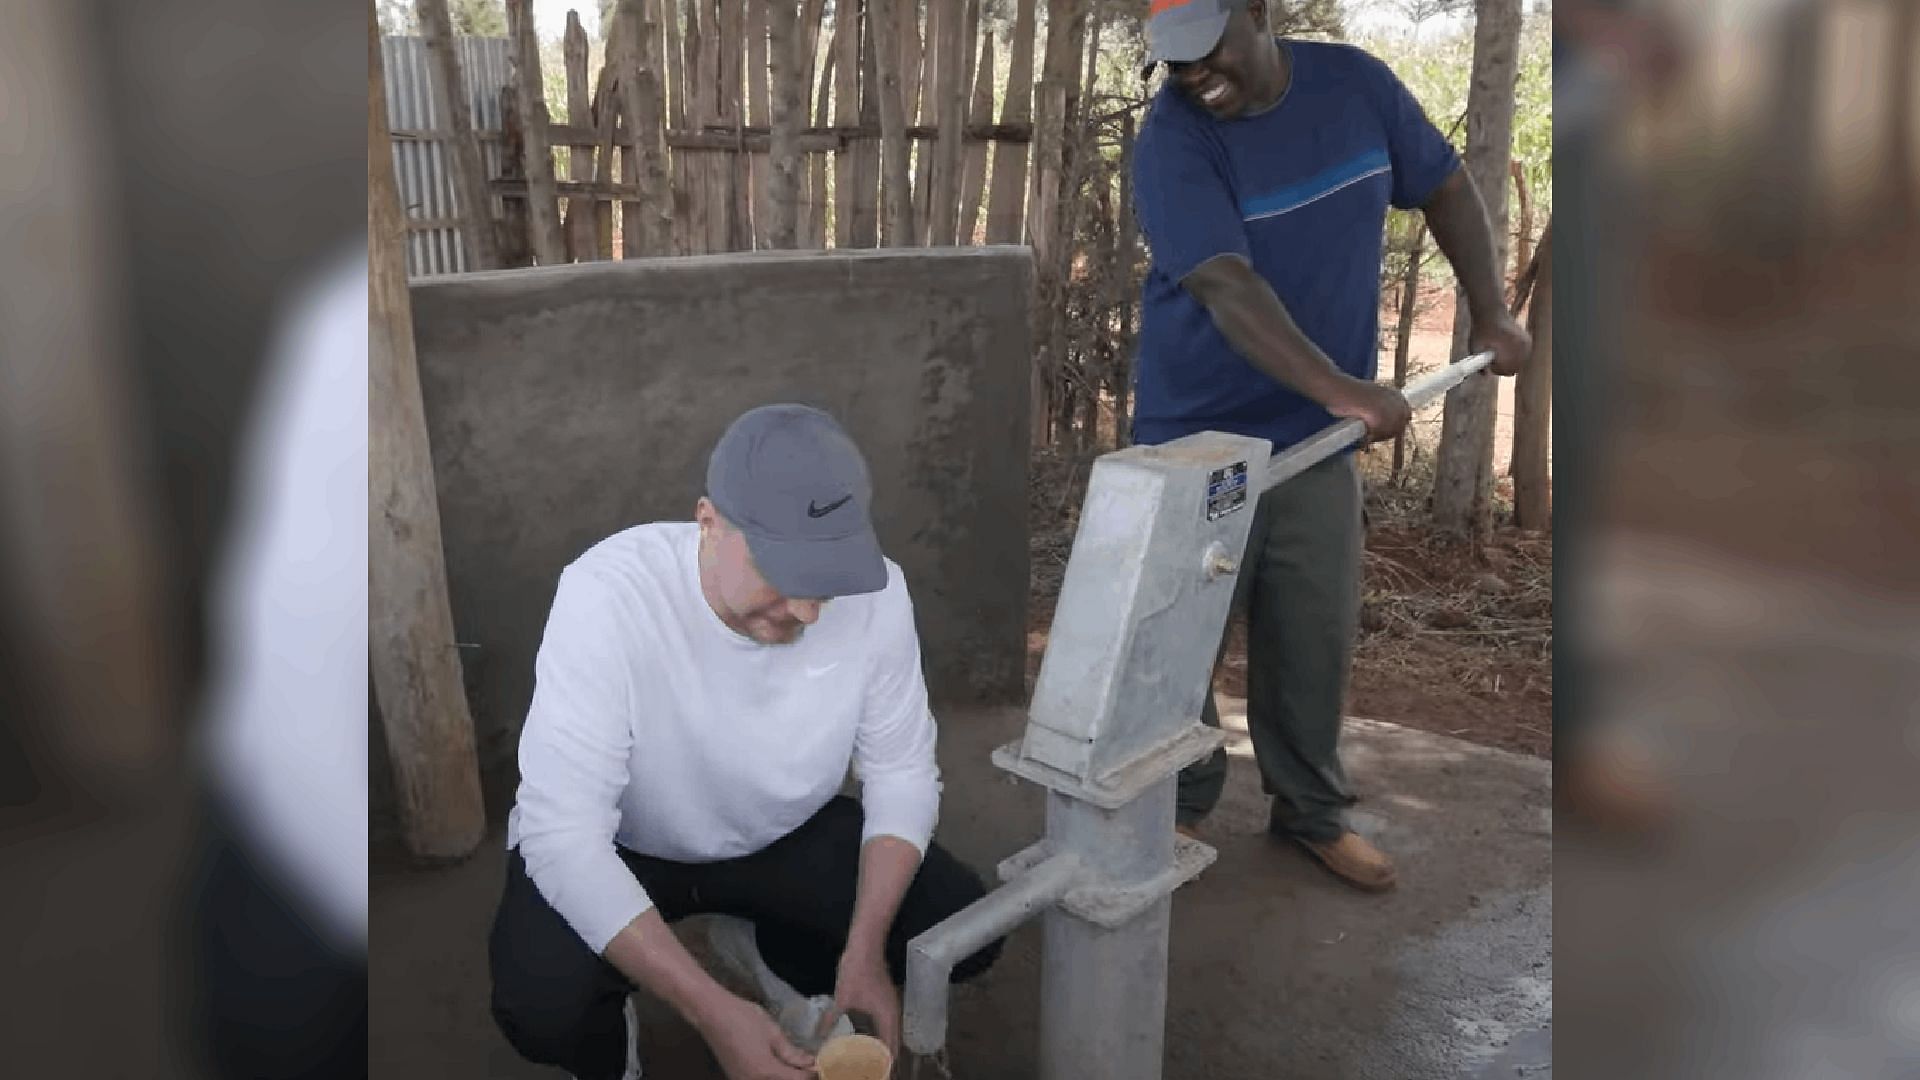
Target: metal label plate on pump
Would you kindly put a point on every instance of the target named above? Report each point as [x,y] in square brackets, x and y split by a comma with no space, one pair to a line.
[1226,490]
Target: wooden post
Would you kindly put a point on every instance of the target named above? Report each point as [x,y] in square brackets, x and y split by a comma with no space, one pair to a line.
[973,180]
[895,169]
[606,108]
[1006,206]
[711,200]
[950,95]
[450,101]
[968,35]
[612,61]
[1533,404]
[846,112]
[651,229]
[817,198]
[812,16]
[1066,22]
[807,31]
[677,90]
[516,249]
[543,204]
[581,212]
[908,25]
[928,71]
[733,33]
[789,94]
[676,66]
[866,148]
[415,667]
[699,91]
[759,108]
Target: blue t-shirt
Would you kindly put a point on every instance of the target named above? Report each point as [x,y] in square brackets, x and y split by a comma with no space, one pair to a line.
[1301,192]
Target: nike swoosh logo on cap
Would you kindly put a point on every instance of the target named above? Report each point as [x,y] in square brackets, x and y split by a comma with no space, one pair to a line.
[815,511]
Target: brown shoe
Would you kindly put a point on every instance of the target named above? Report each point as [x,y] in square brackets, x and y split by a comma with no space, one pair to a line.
[1356,861]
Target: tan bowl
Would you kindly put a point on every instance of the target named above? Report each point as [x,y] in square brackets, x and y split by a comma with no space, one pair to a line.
[853,1057]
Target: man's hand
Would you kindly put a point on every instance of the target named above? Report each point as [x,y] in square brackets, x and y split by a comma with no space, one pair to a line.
[750,1045]
[1510,342]
[1382,408]
[865,986]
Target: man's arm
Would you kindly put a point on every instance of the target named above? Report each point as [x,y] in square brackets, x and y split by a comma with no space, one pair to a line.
[887,866]
[1258,326]
[864,983]
[648,953]
[1458,220]
[746,1040]
[900,795]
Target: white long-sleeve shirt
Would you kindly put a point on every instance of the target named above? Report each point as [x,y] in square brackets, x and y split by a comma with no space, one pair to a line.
[656,727]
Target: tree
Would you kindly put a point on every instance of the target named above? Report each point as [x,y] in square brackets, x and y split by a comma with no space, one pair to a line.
[472,18]
[1463,481]
[1420,12]
[1533,403]
[1323,17]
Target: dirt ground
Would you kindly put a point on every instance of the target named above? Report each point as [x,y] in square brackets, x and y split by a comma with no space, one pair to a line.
[1454,642]
[1275,968]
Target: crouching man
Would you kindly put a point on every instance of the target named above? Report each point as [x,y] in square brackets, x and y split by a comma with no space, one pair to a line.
[700,692]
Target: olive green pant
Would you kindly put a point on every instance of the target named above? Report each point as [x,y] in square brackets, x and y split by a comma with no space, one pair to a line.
[1299,585]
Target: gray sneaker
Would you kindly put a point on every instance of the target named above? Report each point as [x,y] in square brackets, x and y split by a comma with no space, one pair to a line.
[734,945]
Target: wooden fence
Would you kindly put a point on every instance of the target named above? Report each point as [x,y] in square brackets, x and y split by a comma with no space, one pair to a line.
[708,134]
[739,125]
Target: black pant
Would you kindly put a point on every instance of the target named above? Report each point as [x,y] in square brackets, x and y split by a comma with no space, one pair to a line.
[270,999]
[559,1003]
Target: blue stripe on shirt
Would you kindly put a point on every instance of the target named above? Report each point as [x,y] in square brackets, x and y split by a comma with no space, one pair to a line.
[1323,183]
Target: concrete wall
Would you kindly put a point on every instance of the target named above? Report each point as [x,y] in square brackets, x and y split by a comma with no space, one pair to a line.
[565,404]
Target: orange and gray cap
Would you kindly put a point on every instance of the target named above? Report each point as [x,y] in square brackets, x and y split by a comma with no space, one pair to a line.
[1181,31]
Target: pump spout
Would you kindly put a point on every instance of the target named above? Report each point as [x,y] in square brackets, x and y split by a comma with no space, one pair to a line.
[931,956]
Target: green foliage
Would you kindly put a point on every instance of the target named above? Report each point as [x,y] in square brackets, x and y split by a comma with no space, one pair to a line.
[1309,18]
[479,18]
[1533,114]
[1437,70]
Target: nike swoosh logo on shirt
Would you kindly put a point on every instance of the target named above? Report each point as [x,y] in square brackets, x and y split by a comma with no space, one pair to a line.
[816,672]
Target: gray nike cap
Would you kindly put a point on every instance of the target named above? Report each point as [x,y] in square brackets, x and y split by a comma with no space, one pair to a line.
[790,478]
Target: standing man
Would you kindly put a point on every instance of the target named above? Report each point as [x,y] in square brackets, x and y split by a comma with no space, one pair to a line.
[700,692]
[1262,179]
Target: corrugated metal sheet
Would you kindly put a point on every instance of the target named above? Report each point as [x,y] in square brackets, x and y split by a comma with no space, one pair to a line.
[420,166]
